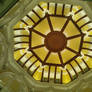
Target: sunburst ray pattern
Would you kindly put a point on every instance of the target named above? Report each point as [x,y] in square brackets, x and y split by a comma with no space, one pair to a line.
[53,42]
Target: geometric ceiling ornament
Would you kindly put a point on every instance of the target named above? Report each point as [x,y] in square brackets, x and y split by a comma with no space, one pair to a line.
[53,42]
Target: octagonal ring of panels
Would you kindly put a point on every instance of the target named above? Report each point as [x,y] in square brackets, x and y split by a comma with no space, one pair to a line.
[53,42]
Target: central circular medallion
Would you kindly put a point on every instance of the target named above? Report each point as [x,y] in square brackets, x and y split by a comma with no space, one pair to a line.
[55,41]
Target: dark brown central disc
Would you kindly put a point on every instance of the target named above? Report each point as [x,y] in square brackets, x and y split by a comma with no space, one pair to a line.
[55,41]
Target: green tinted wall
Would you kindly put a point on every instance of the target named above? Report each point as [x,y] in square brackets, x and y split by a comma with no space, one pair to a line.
[5,5]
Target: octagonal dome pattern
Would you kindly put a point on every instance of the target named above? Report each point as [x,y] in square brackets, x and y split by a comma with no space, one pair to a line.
[53,42]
